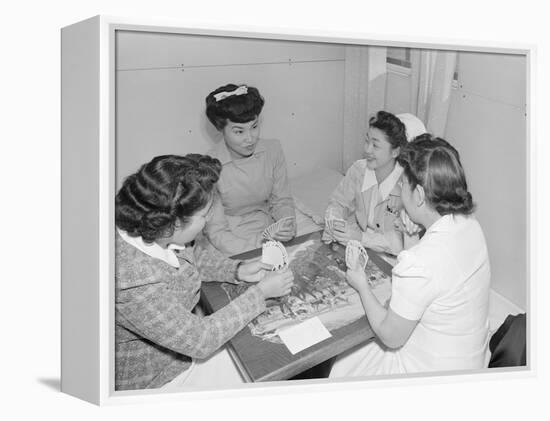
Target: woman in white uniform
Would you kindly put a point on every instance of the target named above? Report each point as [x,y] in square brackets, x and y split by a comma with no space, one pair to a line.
[437,318]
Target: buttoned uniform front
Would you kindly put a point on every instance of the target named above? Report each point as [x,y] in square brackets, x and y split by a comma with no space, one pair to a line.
[254,192]
[368,206]
[443,282]
[157,335]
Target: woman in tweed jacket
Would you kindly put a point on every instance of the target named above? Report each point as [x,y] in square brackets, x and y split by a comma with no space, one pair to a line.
[161,260]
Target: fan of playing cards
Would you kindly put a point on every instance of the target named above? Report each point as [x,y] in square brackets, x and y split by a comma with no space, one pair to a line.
[356,255]
[270,231]
[334,221]
[274,253]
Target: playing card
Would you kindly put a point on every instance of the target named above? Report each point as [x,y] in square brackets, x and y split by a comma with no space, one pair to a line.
[275,254]
[267,233]
[285,221]
[338,224]
[334,221]
[356,255]
[271,230]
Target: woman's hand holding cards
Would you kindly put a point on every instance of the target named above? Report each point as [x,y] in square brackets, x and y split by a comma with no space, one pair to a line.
[282,230]
[276,284]
[343,233]
[287,230]
[356,261]
[253,271]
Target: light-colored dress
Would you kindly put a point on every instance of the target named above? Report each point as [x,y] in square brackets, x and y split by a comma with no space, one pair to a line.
[369,206]
[443,282]
[254,192]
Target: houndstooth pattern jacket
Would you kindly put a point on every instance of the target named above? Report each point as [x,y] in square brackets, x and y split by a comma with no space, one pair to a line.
[156,333]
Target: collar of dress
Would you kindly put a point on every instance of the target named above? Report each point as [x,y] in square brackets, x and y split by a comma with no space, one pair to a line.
[445,223]
[167,255]
[387,185]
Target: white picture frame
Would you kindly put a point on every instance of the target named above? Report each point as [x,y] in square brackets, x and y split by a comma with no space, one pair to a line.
[88,191]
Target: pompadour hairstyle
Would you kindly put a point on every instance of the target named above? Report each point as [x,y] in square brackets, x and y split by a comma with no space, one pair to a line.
[237,108]
[165,192]
[391,126]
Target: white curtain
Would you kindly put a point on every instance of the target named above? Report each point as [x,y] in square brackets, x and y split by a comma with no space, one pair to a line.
[432,78]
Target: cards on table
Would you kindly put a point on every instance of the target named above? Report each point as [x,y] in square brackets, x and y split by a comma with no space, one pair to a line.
[275,254]
[356,255]
[271,230]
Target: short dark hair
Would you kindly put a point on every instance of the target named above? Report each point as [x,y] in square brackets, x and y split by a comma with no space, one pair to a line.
[391,126]
[435,165]
[237,108]
[168,190]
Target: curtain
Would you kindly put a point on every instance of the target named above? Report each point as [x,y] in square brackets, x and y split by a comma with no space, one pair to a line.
[432,77]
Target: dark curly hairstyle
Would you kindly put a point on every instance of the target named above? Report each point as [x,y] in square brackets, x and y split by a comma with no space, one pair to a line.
[391,126]
[165,192]
[237,108]
[435,165]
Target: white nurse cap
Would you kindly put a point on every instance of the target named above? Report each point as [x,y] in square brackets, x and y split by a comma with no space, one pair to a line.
[413,124]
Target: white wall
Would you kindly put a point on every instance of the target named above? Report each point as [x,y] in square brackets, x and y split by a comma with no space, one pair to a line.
[163,79]
[487,124]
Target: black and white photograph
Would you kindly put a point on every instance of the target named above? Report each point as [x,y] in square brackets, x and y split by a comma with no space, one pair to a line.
[232,152]
[282,210]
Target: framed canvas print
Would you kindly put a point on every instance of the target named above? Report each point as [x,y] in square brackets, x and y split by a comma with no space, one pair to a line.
[216,185]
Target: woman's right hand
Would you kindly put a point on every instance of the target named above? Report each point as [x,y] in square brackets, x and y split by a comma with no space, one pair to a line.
[276,284]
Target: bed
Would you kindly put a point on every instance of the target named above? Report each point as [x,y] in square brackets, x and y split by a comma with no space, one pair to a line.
[311,192]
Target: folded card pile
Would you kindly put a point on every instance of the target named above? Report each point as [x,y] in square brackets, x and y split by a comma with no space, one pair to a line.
[274,253]
[270,231]
[356,255]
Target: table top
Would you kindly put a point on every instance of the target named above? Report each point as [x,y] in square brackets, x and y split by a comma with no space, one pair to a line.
[263,360]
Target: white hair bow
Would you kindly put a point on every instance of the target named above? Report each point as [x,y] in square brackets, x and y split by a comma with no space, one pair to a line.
[241,90]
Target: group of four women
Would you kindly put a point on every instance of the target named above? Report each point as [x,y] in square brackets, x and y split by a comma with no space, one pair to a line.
[178,217]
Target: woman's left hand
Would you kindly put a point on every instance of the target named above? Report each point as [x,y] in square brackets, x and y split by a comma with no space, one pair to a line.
[357,279]
[286,232]
[346,234]
[253,271]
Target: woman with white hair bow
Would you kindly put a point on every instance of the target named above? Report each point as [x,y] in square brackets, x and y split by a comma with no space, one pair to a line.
[366,205]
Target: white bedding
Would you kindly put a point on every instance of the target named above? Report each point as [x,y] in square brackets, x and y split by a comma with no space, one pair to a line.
[311,193]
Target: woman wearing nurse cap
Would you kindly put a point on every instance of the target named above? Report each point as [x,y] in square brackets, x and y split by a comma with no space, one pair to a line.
[366,206]
[437,316]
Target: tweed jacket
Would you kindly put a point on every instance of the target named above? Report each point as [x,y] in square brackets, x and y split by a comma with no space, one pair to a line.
[156,333]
